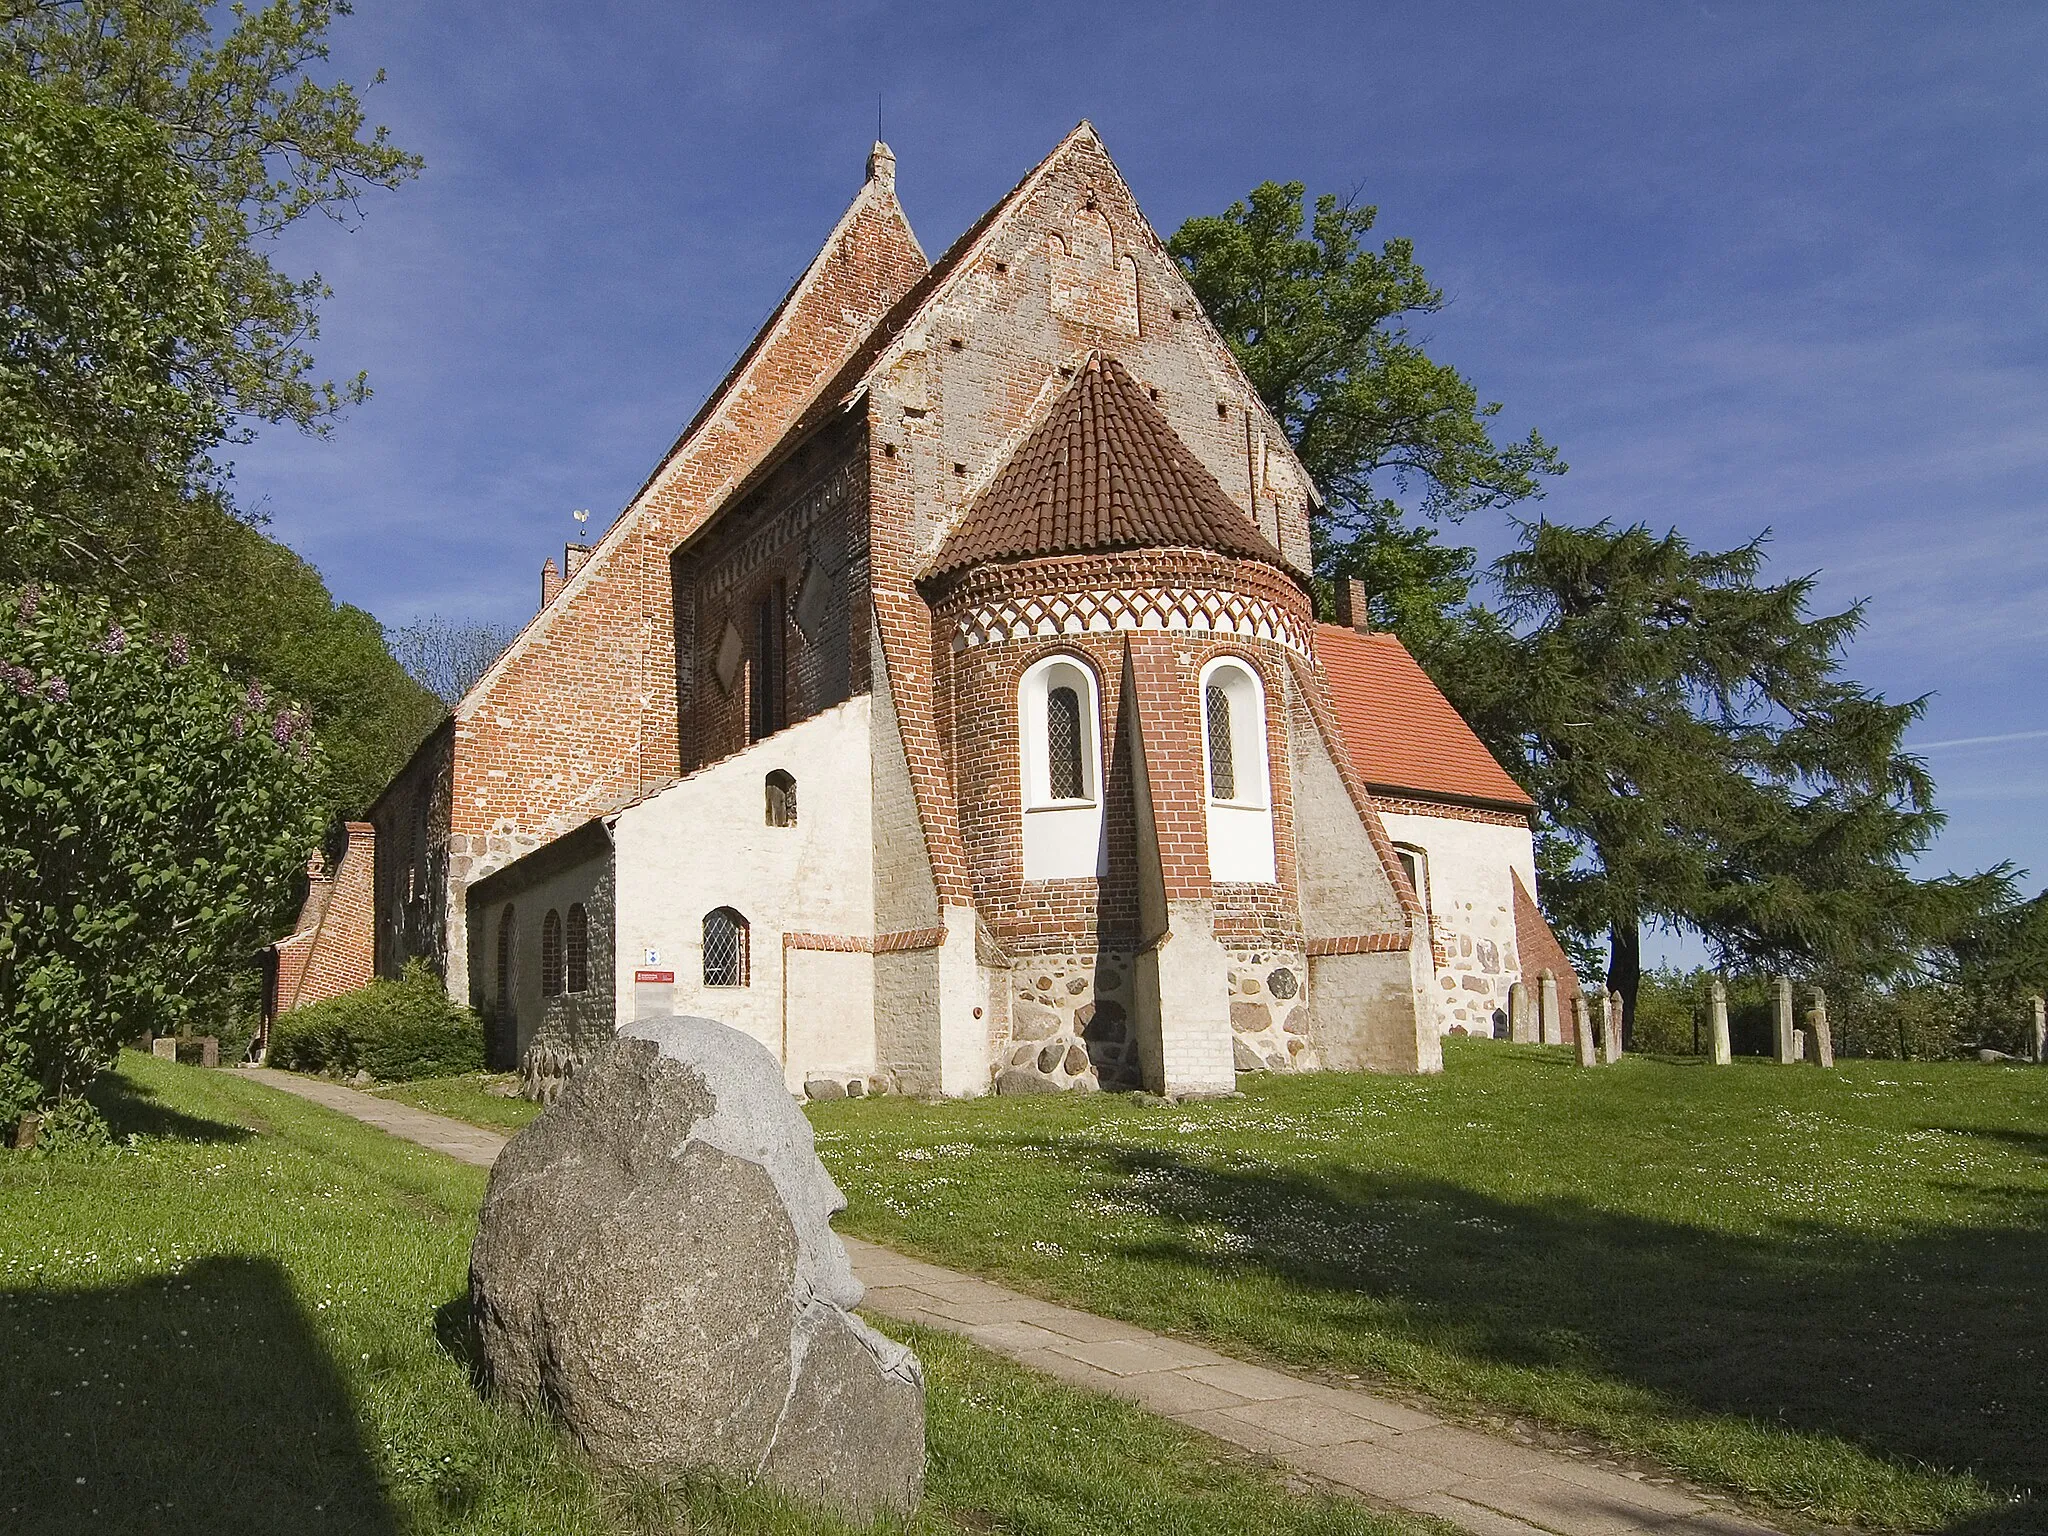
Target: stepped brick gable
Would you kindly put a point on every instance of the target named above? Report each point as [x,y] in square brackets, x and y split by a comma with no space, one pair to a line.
[950,713]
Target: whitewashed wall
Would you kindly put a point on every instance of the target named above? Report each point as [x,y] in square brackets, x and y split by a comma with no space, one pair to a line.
[704,843]
[1472,910]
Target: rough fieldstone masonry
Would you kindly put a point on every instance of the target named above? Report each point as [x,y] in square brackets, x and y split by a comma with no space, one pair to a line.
[949,712]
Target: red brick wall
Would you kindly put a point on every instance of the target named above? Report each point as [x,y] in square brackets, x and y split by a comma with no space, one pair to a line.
[525,762]
[340,957]
[976,693]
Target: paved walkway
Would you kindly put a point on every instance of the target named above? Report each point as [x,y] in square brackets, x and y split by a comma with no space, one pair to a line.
[1384,1450]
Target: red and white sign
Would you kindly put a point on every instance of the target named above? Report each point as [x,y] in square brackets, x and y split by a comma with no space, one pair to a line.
[661,976]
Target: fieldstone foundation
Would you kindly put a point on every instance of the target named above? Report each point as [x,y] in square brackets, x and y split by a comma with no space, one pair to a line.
[1269,1011]
[1070,1025]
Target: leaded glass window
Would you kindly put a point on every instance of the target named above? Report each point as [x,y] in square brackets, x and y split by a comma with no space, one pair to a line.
[725,948]
[1222,762]
[1063,744]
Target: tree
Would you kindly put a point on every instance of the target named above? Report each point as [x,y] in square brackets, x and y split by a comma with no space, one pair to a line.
[263,143]
[446,655]
[143,166]
[1699,759]
[154,816]
[1321,326]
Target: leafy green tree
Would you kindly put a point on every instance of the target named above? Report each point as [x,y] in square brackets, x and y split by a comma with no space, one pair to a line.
[154,817]
[263,143]
[1395,440]
[1700,761]
[144,166]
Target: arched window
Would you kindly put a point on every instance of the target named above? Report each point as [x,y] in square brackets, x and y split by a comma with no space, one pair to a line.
[1059,733]
[579,949]
[725,948]
[1236,773]
[781,791]
[505,937]
[551,954]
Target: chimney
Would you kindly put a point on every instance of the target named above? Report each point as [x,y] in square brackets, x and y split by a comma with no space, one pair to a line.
[550,582]
[882,166]
[573,556]
[1352,609]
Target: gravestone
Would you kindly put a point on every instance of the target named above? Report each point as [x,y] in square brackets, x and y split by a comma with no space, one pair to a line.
[1582,1032]
[1799,1045]
[164,1049]
[1719,1052]
[655,1265]
[1521,1018]
[1783,1029]
[1610,1038]
[2040,1040]
[1549,1022]
[1818,1030]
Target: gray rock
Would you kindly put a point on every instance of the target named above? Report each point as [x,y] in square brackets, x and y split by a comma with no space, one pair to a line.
[655,1265]
[1032,1020]
[1282,983]
[1024,1080]
[1077,1060]
[1247,1059]
[824,1088]
[1049,1058]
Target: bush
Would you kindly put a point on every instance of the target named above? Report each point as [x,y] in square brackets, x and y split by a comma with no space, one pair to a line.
[154,820]
[393,1030]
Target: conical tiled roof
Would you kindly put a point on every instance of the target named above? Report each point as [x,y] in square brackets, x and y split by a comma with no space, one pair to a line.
[1105,470]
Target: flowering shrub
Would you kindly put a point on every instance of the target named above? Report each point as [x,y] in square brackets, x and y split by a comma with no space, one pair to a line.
[154,818]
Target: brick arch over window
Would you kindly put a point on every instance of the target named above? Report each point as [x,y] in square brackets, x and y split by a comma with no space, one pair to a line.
[726,937]
[579,949]
[1059,749]
[1236,772]
[551,954]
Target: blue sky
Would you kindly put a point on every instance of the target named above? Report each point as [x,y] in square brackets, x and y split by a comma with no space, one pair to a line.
[1750,266]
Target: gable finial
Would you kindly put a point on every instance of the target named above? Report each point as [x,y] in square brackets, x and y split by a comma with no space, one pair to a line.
[882,165]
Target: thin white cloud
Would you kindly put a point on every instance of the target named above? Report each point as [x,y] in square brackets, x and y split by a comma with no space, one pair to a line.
[1978,741]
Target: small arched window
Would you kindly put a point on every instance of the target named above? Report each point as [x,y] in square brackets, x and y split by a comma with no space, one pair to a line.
[551,954]
[1059,741]
[505,936]
[1236,771]
[1415,865]
[781,792]
[579,949]
[725,948]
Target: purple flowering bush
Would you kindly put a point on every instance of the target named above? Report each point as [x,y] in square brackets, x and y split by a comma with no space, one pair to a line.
[154,818]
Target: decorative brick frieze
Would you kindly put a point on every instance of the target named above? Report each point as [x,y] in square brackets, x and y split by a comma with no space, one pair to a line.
[856,944]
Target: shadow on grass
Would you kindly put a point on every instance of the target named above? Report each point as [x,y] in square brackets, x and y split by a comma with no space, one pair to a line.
[131,1108]
[456,1335]
[1927,1349]
[202,1402]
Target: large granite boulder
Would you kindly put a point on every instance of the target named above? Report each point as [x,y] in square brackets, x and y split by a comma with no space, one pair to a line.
[655,1265]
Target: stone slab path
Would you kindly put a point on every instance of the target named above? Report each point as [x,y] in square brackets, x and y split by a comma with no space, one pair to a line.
[1386,1451]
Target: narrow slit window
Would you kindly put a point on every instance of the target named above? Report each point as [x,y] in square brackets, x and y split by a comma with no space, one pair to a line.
[725,948]
[551,954]
[579,949]
[505,963]
[1222,761]
[1063,744]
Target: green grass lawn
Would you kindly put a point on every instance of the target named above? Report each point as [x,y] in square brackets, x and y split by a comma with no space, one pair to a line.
[248,1318]
[1824,1291]
[467,1097]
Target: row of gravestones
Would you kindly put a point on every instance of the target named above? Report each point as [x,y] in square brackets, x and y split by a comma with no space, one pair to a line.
[1542,1025]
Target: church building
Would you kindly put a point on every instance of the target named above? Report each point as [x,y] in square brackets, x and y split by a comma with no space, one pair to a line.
[949,712]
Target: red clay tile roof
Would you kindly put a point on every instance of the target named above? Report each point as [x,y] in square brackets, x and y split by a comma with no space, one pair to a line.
[1104,470]
[1403,735]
